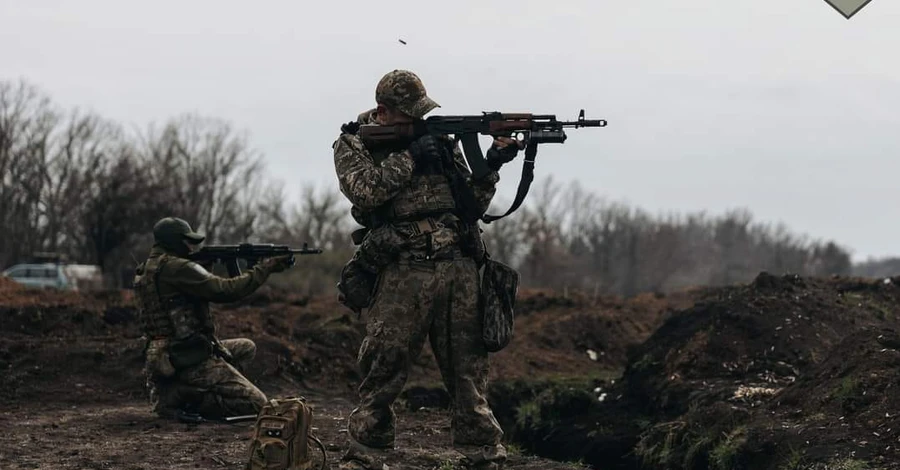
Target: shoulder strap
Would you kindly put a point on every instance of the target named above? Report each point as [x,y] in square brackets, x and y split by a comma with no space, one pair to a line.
[156,273]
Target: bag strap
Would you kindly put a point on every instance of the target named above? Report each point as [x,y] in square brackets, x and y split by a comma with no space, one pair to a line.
[322,448]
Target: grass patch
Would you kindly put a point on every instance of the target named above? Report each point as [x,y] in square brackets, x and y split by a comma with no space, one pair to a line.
[847,392]
[644,363]
[847,464]
[793,461]
[656,448]
[528,414]
[513,449]
[724,455]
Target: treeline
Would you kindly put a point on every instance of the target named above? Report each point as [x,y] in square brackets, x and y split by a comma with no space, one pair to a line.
[571,238]
[885,267]
[74,183]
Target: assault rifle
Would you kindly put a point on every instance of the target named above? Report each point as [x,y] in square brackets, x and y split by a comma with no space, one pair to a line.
[251,253]
[531,129]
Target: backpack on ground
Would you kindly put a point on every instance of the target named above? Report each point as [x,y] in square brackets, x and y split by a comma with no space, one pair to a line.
[282,437]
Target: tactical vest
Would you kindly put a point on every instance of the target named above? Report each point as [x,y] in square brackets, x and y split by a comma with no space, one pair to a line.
[426,195]
[173,317]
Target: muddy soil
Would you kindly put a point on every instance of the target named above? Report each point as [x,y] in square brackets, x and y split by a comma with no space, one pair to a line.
[784,373]
[124,435]
[71,394]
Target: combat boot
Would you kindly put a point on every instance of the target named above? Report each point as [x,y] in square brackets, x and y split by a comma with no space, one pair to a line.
[362,457]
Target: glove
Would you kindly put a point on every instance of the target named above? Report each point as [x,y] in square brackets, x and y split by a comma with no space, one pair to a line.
[278,263]
[221,351]
[497,157]
[426,150]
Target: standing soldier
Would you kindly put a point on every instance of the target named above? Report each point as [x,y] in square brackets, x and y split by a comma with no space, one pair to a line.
[426,260]
[187,368]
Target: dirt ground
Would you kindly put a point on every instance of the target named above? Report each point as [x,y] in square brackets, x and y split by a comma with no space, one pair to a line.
[124,435]
[784,373]
[72,395]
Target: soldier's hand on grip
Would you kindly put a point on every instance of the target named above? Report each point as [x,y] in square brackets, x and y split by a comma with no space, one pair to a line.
[279,263]
[503,151]
[426,149]
[220,350]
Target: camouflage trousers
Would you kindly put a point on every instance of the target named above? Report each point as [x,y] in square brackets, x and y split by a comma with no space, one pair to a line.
[415,300]
[214,388]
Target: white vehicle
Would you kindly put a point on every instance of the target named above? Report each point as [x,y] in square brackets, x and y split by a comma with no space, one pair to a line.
[56,276]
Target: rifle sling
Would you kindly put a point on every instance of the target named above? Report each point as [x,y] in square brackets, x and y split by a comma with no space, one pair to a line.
[472,151]
[524,184]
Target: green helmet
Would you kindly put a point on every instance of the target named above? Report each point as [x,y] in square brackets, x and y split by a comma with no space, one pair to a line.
[171,231]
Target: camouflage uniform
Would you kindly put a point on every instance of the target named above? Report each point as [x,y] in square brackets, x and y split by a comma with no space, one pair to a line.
[427,284]
[186,367]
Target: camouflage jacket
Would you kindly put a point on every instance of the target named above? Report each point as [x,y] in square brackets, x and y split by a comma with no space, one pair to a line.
[173,294]
[373,179]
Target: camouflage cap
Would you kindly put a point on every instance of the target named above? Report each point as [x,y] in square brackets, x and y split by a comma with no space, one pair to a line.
[403,90]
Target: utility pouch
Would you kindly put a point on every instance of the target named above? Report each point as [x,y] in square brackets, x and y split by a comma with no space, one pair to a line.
[189,352]
[497,297]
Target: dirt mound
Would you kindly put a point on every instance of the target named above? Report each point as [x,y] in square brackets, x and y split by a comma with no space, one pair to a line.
[760,335]
[576,335]
[777,374]
[844,408]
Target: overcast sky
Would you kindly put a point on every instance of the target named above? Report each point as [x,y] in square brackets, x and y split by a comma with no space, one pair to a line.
[784,108]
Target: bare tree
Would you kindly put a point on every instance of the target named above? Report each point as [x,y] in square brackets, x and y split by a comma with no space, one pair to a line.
[210,175]
[27,122]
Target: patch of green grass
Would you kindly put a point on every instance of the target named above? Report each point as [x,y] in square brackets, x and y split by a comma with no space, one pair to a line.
[847,464]
[528,414]
[880,310]
[697,449]
[645,362]
[578,463]
[643,423]
[846,391]
[724,454]
[793,461]
[513,449]
[656,448]
[447,465]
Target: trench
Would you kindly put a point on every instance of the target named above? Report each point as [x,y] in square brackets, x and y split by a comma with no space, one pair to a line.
[561,420]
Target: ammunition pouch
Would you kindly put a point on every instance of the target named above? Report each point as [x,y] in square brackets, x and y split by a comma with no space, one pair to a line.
[190,352]
[359,235]
[356,287]
[497,298]
[157,359]
[471,243]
